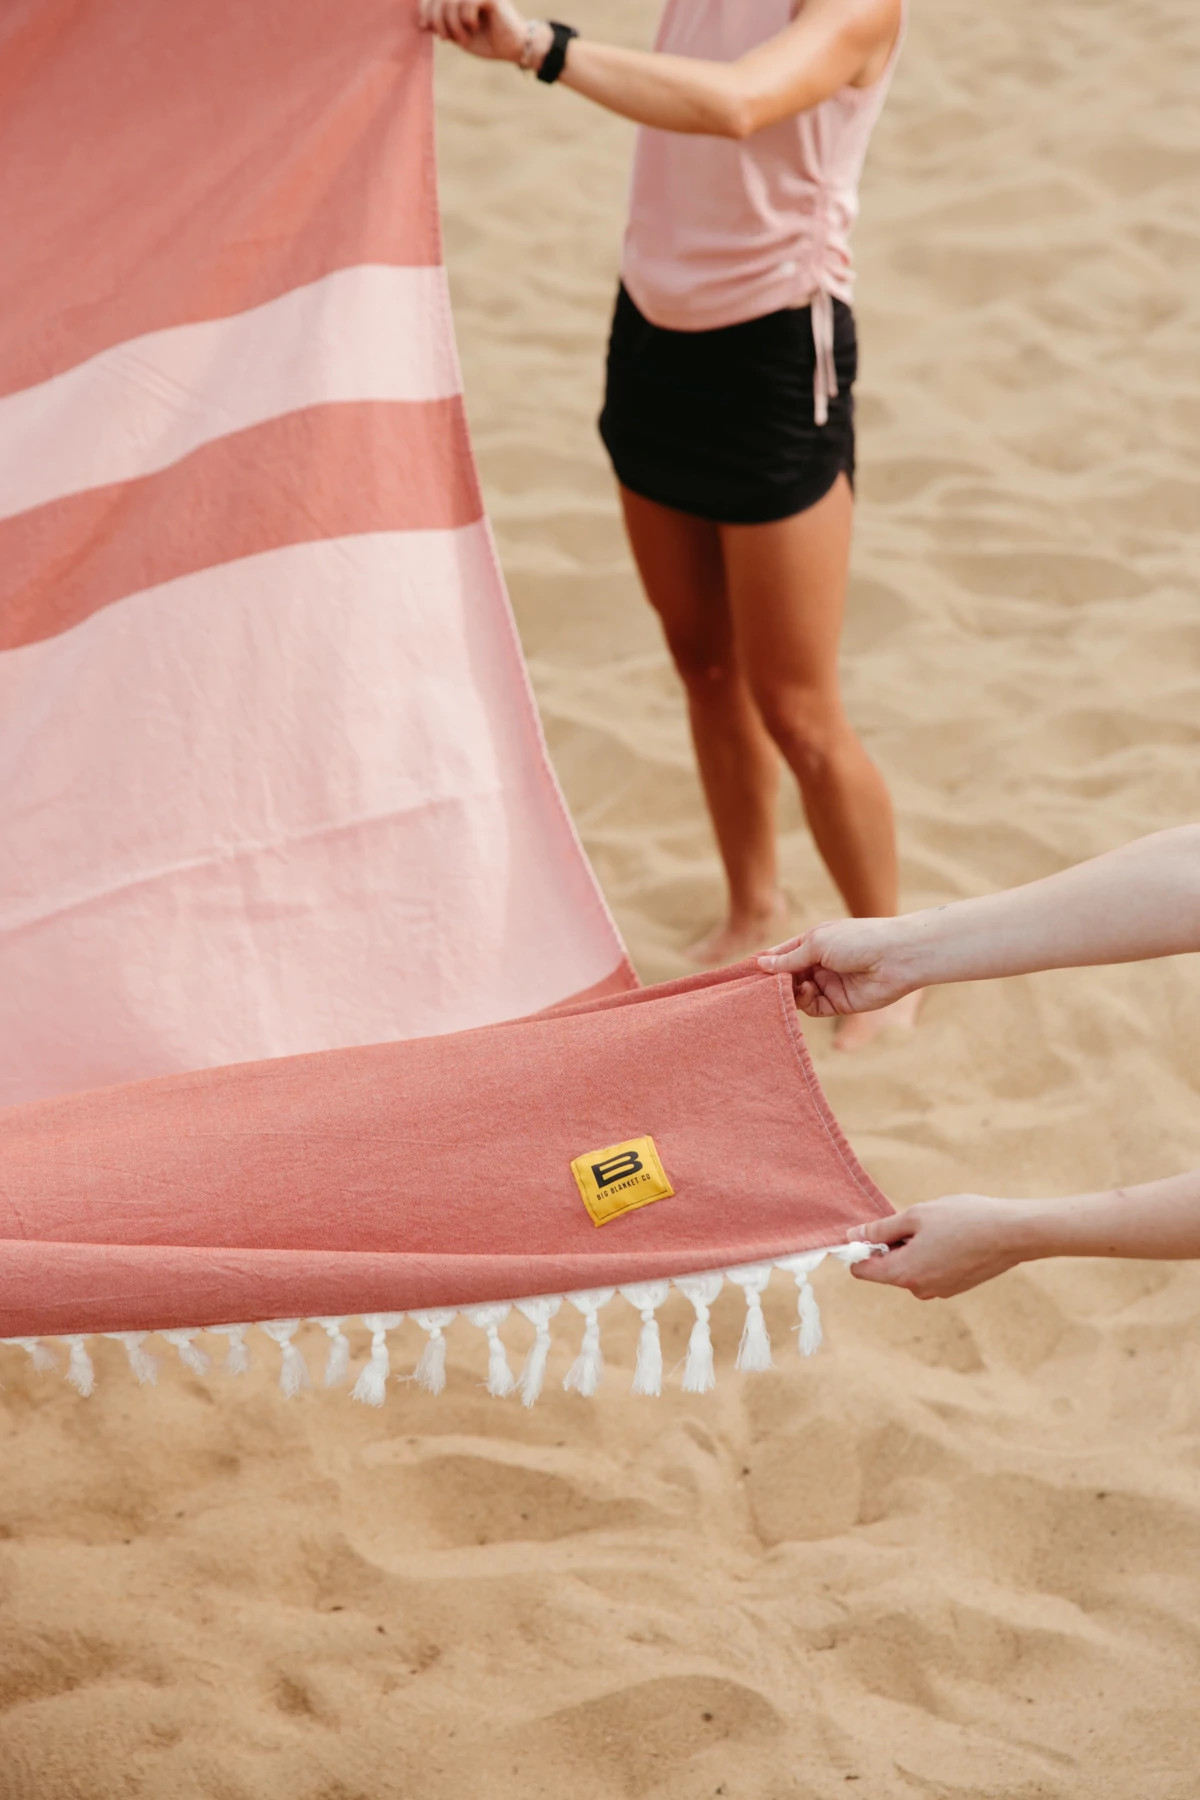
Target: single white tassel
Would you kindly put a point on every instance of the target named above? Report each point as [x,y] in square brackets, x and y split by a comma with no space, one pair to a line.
[237,1357]
[80,1372]
[293,1370]
[190,1353]
[809,1325]
[372,1381]
[489,1318]
[810,1333]
[583,1377]
[430,1371]
[144,1366]
[858,1251]
[754,1350]
[337,1363]
[701,1290]
[647,1297]
[39,1354]
[539,1311]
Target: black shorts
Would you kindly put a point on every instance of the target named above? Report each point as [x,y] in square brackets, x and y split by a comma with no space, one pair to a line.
[720,423]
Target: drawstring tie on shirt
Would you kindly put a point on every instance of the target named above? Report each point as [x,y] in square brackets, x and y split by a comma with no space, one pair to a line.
[825,382]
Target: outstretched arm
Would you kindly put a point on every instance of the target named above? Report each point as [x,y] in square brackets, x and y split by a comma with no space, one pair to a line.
[943,1247]
[1130,904]
[830,44]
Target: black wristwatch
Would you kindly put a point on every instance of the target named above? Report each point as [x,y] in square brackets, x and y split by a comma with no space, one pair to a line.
[555,59]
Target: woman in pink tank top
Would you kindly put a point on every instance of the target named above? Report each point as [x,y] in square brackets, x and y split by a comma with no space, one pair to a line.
[728,411]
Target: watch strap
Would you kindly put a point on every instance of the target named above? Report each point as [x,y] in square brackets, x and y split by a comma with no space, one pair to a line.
[555,59]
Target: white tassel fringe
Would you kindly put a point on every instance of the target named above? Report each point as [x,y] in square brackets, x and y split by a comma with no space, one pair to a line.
[190,1353]
[489,1319]
[647,1297]
[293,1370]
[808,1327]
[371,1385]
[583,1377]
[698,1373]
[754,1350]
[237,1357]
[809,1333]
[430,1371]
[39,1354]
[337,1363]
[80,1373]
[144,1366]
[539,1311]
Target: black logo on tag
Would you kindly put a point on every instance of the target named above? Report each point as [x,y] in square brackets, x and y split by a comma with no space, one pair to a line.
[615,1168]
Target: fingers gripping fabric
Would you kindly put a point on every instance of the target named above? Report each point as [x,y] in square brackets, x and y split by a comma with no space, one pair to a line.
[434,1177]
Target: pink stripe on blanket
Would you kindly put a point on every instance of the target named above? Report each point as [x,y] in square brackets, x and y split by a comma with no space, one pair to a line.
[332,877]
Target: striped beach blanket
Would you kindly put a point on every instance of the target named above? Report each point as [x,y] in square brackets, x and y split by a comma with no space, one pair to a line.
[271,778]
[312,1010]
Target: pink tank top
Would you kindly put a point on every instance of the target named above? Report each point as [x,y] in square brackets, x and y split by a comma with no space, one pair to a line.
[721,230]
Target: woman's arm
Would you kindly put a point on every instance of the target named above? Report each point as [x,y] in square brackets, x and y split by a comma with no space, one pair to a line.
[943,1247]
[830,45]
[1130,904]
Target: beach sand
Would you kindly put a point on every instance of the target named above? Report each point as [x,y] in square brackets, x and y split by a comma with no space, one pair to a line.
[958,1554]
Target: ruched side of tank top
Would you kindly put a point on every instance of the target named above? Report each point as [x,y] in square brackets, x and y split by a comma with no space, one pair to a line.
[722,230]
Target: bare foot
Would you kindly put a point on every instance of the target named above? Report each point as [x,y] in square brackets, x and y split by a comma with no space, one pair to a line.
[742,934]
[860,1029]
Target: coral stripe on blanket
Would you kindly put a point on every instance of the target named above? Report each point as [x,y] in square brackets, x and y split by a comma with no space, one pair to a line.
[167,165]
[271,779]
[325,472]
[428,1174]
[365,333]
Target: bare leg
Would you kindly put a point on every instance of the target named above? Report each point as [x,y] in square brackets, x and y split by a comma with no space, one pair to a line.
[787,586]
[680,562]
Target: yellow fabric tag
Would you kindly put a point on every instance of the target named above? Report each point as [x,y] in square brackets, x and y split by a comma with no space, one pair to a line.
[620,1179]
